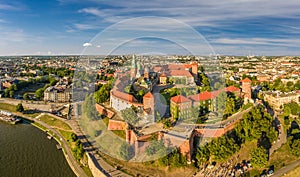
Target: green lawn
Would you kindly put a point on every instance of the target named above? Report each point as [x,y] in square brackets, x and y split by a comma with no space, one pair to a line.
[281,157]
[120,133]
[55,122]
[66,135]
[8,107]
[33,115]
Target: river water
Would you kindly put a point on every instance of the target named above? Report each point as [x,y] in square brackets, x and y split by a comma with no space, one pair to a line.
[25,151]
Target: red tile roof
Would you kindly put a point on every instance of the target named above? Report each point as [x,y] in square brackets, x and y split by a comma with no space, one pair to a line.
[231,89]
[180,99]
[148,95]
[246,80]
[163,75]
[124,96]
[180,73]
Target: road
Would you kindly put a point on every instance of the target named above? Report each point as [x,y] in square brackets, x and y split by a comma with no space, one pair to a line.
[39,105]
[286,169]
[68,154]
[282,137]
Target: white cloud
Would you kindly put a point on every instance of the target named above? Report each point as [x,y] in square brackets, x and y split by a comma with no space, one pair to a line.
[87,44]
[7,7]
[82,26]
[196,12]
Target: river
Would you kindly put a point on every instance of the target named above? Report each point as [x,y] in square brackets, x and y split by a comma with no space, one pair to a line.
[25,151]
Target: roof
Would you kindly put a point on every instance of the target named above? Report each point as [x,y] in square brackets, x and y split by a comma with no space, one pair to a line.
[201,96]
[148,95]
[231,89]
[180,73]
[122,95]
[163,75]
[246,80]
[180,99]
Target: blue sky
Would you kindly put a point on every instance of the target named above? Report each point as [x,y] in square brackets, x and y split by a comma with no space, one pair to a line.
[233,27]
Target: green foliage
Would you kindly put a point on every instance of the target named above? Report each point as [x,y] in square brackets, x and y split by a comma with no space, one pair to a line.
[78,150]
[101,95]
[20,108]
[286,120]
[221,101]
[222,148]
[254,124]
[73,137]
[287,110]
[202,155]
[295,147]
[173,159]
[6,92]
[25,96]
[156,147]
[89,109]
[11,93]
[126,151]
[259,157]
[292,108]
[129,116]
[39,93]
[166,123]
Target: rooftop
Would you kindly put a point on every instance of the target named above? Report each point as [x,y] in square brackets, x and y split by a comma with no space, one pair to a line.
[180,99]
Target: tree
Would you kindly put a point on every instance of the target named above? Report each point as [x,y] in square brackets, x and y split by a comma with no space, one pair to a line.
[130,116]
[6,92]
[11,94]
[25,96]
[39,93]
[20,107]
[286,110]
[13,87]
[155,147]
[295,147]
[78,150]
[89,109]
[221,101]
[202,155]
[126,151]
[259,157]
[74,137]
[294,107]
[102,95]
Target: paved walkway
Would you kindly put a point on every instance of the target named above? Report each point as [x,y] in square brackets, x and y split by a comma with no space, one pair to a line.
[286,169]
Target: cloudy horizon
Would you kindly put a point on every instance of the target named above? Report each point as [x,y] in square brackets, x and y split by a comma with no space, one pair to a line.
[67,27]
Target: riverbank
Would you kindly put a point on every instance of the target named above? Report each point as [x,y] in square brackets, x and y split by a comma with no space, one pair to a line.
[77,169]
[25,151]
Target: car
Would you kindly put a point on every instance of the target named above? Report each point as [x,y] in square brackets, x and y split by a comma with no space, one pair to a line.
[270,172]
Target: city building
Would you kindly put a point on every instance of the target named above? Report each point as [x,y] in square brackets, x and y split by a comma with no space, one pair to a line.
[277,99]
[246,88]
[58,94]
[180,107]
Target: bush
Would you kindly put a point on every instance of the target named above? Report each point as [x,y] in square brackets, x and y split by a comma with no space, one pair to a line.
[286,120]
[259,157]
[20,107]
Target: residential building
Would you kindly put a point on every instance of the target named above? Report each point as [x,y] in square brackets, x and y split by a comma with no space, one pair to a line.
[277,99]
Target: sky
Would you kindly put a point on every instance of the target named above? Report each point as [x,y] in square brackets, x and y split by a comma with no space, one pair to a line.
[231,27]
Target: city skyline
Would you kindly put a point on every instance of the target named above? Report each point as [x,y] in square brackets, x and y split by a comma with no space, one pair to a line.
[66,27]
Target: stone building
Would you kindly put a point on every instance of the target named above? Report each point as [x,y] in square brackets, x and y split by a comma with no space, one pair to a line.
[58,94]
[180,107]
[246,88]
[277,99]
